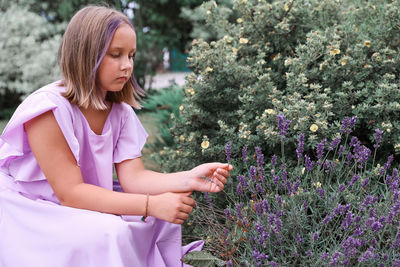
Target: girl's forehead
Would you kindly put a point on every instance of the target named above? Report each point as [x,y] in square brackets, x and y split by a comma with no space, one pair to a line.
[124,37]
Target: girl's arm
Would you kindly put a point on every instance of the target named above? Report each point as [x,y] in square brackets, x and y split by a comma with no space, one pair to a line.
[64,176]
[134,178]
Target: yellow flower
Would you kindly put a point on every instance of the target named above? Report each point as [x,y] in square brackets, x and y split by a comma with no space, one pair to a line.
[181,107]
[239,20]
[388,130]
[344,61]
[314,128]
[317,185]
[234,50]
[243,40]
[182,138]
[205,144]
[190,90]
[244,1]
[208,12]
[334,52]
[367,43]
[286,7]
[270,111]
[208,69]
[336,161]
[189,223]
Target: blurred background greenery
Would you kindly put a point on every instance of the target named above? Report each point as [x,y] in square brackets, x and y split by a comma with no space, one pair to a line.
[31,31]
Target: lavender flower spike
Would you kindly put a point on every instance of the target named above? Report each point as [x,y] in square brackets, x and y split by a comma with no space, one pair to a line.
[300,147]
[283,126]
[228,150]
[348,124]
[378,137]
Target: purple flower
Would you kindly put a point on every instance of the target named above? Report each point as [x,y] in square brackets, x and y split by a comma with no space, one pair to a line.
[309,163]
[265,205]
[304,205]
[348,124]
[244,154]
[278,200]
[253,173]
[258,255]
[369,200]
[239,189]
[239,210]
[397,242]
[273,264]
[335,258]
[365,182]
[260,157]
[259,208]
[367,255]
[299,239]
[342,187]
[283,126]
[324,255]
[320,148]
[378,136]
[207,198]
[341,149]
[260,189]
[321,192]
[354,180]
[334,144]
[376,226]
[243,181]
[229,263]
[227,213]
[315,236]
[275,179]
[348,220]
[296,186]
[273,160]
[300,146]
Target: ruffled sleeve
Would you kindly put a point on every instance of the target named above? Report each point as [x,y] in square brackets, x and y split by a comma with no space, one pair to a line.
[15,152]
[132,136]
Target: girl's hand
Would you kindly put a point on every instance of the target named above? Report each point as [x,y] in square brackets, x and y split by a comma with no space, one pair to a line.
[209,177]
[171,207]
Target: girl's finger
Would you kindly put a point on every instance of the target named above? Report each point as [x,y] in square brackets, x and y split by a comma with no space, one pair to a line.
[182,216]
[220,178]
[189,201]
[223,172]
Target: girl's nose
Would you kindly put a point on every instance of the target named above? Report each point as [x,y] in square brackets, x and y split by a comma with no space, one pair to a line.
[127,64]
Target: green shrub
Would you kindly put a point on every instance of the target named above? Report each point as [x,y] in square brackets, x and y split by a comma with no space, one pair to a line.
[313,61]
[164,104]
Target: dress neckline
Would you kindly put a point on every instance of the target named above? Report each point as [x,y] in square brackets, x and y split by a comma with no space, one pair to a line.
[106,127]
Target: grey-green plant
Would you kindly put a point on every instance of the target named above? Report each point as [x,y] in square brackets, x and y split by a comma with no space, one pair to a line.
[28,54]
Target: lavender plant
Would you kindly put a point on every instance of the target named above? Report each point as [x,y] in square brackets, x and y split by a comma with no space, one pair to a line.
[332,208]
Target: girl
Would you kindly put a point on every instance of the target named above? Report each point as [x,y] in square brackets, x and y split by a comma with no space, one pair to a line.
[57,207]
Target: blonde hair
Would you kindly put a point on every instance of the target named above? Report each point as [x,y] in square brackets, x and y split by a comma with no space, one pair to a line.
[85,42]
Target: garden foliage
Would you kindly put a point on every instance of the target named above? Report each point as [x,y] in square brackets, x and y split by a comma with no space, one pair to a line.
[337,208]
[313,61]
[28,54]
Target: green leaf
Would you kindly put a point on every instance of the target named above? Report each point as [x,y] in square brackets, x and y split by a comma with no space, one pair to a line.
[203,259]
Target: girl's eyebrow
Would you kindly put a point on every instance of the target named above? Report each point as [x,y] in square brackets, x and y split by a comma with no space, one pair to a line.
[133,50]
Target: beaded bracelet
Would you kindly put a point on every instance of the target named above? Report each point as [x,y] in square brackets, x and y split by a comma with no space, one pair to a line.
[146,208]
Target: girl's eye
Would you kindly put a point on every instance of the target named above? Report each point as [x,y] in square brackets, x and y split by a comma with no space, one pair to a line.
[114,55]
[132,57]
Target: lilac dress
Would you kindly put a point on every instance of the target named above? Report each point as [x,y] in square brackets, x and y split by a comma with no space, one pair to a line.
[35,230]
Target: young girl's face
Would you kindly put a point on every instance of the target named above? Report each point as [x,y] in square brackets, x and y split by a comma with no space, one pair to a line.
[117,65]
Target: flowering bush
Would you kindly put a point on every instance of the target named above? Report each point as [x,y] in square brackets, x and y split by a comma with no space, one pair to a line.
[313,61]
[337,208]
